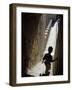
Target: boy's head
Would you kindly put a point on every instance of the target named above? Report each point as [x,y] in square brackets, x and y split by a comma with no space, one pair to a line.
[50,49]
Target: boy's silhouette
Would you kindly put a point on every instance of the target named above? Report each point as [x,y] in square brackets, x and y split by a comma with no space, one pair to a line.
[47,59]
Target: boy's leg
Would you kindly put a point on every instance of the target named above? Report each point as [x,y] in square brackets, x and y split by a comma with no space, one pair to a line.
[47,69]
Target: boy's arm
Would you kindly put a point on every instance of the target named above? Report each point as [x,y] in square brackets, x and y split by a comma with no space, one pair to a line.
[54,59]
[44,58]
